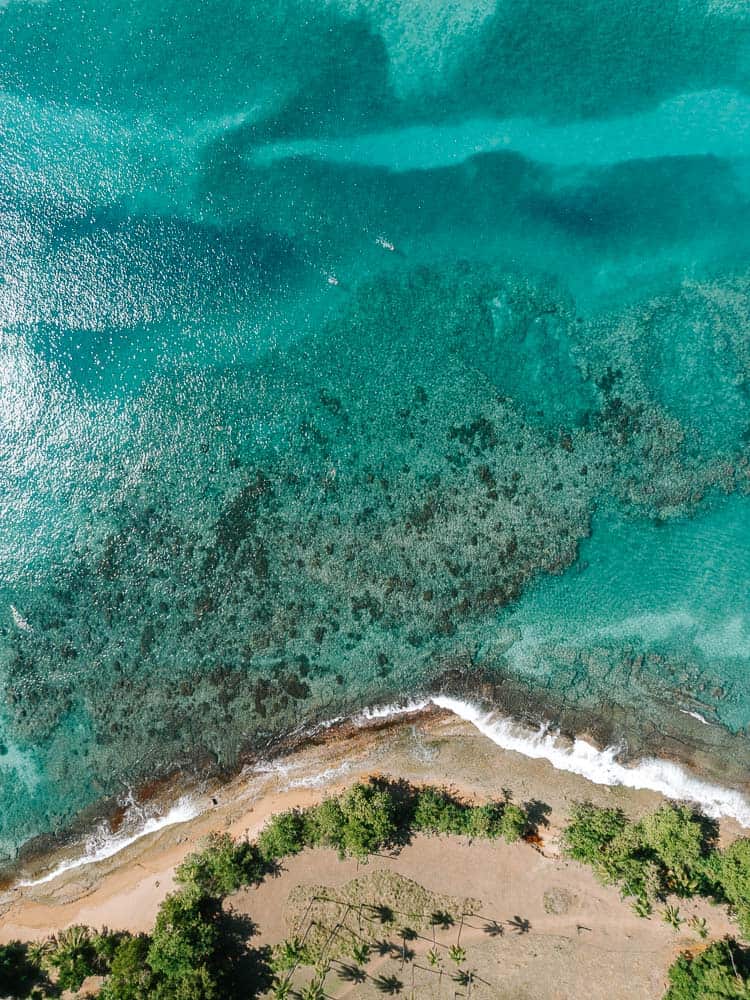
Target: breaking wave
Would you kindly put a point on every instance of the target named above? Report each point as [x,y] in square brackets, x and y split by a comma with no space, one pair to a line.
[104,844]
[602,766]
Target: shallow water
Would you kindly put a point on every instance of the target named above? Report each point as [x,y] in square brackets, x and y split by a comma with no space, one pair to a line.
[341,343]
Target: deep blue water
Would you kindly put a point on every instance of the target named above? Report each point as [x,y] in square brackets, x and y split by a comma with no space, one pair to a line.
[343,343]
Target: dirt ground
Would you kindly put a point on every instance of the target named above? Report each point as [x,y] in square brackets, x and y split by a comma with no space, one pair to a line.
[545,930]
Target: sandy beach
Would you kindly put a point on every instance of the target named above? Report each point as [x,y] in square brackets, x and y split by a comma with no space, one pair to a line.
[567,937]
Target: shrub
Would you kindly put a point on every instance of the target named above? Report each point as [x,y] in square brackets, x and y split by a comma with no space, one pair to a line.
[624,861]
[438,812]
[680,841]
[283,835]
[369,818]
[514,823]
[614,847]
[732,869]
[721,971]
[591,830]
[105,945]
[671,850]
[484,821]
[222,867]
[325,824]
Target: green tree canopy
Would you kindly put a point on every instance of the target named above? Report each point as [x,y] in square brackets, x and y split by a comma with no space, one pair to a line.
[130,976]
[732,866]
[222,866]
[721,971]
[184,947]
[283,835]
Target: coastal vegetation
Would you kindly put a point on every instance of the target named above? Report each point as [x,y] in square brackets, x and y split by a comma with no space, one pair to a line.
[670,851]
[721,971]
[199,950]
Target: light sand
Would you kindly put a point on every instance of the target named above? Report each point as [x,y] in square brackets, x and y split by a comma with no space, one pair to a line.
[597,930]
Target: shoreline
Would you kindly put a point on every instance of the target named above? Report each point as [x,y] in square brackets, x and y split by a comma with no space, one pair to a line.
[673,749]
[181,797]
[425,744]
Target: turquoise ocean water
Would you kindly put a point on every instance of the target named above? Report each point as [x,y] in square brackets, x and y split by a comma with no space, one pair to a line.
[342,342]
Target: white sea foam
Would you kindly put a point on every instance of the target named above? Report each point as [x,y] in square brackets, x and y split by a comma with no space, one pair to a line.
[285,771]
[602,766]
[104,844]
[386,711]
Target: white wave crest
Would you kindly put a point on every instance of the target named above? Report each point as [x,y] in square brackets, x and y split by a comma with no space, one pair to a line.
[387,711]
[104,844]
[602,766]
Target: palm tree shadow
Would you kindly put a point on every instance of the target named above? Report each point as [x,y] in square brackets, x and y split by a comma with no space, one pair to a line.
[384,948]
[351,973]
[520,924]
[384,914]
[442,919]
[493,929]
[390,985]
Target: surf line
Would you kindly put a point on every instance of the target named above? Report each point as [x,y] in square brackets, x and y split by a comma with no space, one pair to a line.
[578,756]
[602,767]
[105,845]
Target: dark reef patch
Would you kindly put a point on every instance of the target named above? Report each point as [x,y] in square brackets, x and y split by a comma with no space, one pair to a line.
[216,604]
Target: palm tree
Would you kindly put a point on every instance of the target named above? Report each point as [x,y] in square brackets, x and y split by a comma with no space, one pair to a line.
[361,953]
[433,957]
[72,937]
[685,884]
[313,991]
[39,951]
[700,926]
[290,953]
[322,968]
[671,915]
[282,989]
[457,953]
